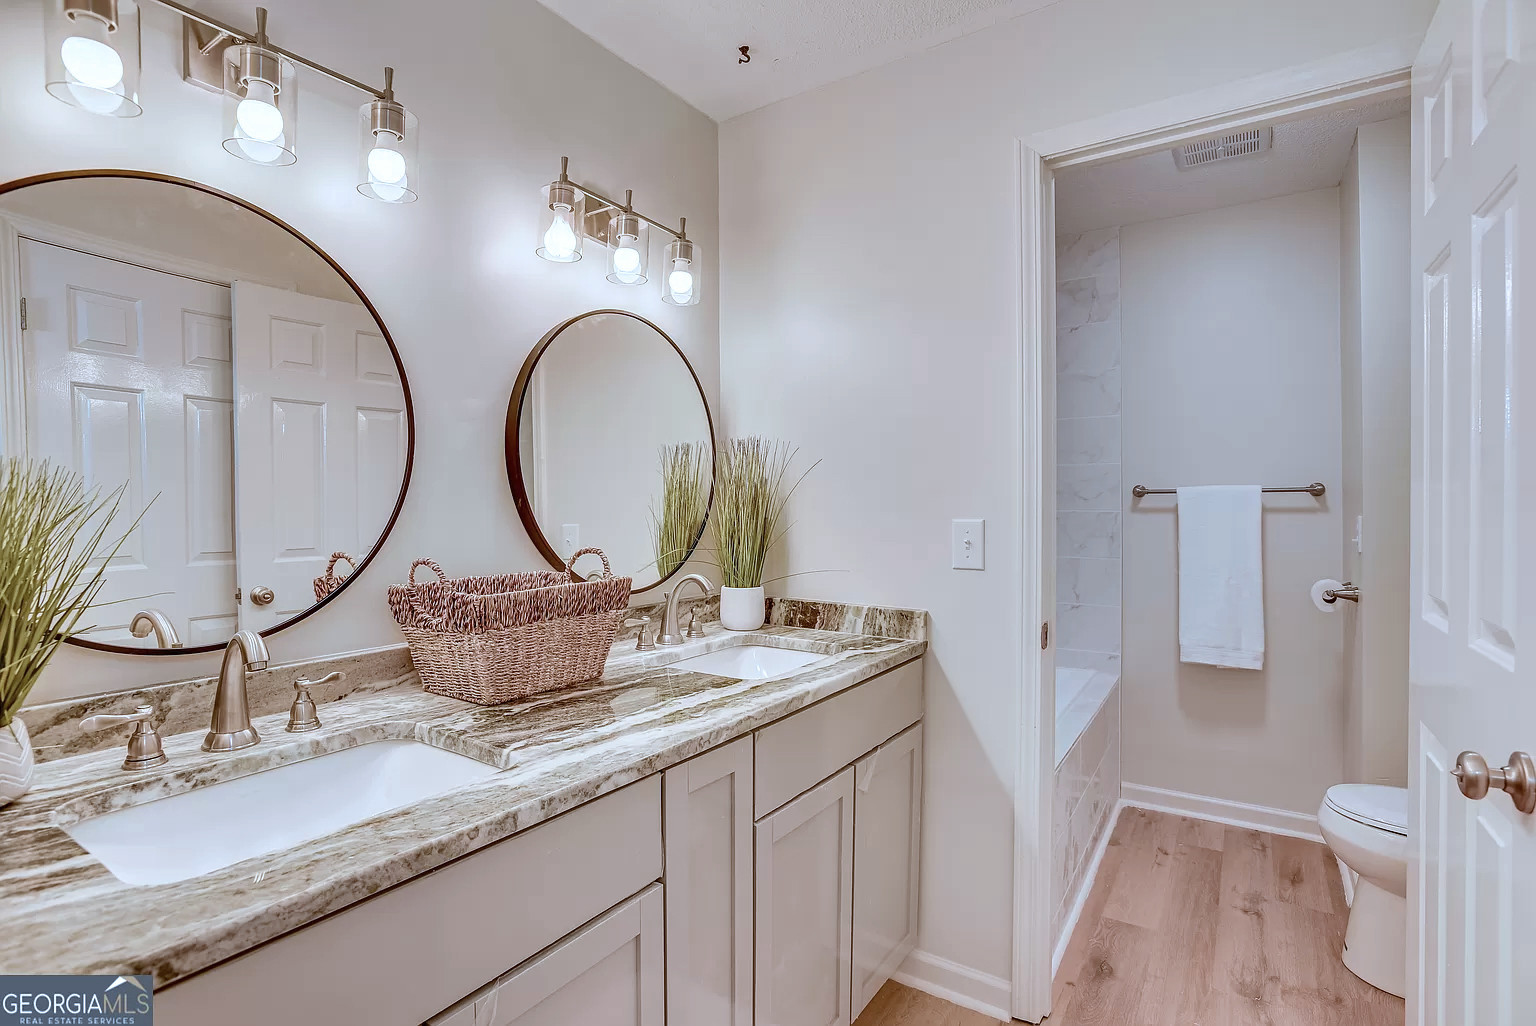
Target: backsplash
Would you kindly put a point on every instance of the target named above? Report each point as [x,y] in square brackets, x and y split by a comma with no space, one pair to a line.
[1088,477]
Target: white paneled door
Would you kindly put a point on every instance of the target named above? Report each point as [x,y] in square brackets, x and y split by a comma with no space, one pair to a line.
[134,365]
[1472,890]
[320,445]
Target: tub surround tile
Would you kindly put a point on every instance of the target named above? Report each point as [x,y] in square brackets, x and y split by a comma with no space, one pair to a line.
[62,911]
[1081,533]
[1088,349]
[1088,440]
[1091,581]
[1084,395]
[1091,486]
[1087,301]
[1089,255]
[1099,662]
[1092,628]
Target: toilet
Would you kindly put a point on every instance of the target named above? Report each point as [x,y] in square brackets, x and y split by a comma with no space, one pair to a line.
[1366,826]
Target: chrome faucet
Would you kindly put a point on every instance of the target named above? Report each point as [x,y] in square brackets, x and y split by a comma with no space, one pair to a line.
[670,634]
[231,729]
[146,620]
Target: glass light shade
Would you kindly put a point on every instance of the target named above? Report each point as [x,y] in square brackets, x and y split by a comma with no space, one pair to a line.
[261,105]
[560,235]
[387,167]
[629,242]
[92,51]
[680,273]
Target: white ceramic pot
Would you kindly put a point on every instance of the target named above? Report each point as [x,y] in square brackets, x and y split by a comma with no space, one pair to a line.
[16,763]
[742,609]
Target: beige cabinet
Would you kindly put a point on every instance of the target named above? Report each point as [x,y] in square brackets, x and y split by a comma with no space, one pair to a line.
[707,814]
[887,828]
[805,908]
[608,972]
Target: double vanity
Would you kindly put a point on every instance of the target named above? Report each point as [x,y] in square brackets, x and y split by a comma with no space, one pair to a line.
[722,831]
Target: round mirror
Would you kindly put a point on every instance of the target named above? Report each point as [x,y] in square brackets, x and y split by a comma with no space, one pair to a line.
[228,376]
[610,445]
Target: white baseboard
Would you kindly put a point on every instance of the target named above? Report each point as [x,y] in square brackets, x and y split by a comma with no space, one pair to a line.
[1219,810]
[1084,888]
[957,984]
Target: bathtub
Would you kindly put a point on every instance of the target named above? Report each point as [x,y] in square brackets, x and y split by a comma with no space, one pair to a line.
[1079,695]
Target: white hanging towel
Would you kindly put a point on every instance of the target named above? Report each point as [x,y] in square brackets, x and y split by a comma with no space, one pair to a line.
[1221,576]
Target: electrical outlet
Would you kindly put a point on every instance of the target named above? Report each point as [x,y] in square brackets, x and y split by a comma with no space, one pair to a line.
[969,544]
[570,538]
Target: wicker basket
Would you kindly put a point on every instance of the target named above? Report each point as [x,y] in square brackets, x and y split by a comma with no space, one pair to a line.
[331,580]
[496,639]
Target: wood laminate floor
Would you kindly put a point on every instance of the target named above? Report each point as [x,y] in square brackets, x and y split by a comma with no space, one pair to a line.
[1191,923]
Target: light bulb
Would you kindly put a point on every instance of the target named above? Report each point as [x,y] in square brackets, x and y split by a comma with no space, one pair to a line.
[92,62]
[680,281]
[257,115]
[626,265]
[385,163]
[560,239]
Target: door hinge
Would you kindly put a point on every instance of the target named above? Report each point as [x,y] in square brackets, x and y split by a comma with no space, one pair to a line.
[1045,635]
[23,313]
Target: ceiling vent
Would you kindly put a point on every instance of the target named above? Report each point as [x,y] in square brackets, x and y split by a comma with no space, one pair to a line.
[1223,147]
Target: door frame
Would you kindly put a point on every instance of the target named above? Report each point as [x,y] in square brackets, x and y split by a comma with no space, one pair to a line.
[1374,73]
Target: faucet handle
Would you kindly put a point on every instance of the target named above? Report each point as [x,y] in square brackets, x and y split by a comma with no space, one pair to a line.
[144,751]
[695,629]
[303,716]
[647,641]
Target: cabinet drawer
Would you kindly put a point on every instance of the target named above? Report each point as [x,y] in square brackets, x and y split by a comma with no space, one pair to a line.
[416,949]
[608,972]
[796,753]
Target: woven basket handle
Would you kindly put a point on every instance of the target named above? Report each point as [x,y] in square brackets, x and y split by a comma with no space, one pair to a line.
[422,562]
[570,564]
[330,567]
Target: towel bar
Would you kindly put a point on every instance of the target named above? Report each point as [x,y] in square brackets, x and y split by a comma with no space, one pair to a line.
[1316,488]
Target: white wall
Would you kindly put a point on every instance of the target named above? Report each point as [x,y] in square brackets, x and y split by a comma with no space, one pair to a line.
[870,262]
[1231,376]
[1375,335]
[502,92]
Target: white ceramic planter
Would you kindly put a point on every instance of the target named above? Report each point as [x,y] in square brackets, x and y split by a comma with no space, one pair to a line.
[16,763]
[742,609]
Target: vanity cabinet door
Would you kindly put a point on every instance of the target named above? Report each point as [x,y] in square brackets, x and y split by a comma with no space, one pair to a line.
[887,814]
[805,908]
[707,812]
[608,972]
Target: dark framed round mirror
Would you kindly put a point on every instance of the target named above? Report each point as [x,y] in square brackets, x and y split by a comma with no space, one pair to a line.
[208,358]
[610,443]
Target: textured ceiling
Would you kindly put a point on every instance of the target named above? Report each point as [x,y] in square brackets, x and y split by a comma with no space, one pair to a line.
[690,46]
[1309,153]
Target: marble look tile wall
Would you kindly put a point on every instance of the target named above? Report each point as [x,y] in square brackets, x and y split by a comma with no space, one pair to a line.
[1087,792]
[1089,496]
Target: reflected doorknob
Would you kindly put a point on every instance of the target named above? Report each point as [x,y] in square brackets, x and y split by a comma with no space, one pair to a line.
[261,595]
[1518,778]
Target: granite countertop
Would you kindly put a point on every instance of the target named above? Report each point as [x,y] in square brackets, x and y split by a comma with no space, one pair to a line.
[62,911]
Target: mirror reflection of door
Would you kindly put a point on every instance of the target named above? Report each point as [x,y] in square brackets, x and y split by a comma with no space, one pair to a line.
[255,445]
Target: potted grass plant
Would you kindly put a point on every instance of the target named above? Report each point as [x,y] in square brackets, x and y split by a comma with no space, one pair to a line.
[53,561]
[752,489]
[676,525]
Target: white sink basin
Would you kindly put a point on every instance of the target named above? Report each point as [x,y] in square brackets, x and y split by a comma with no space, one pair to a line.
[206,829]
[749,662]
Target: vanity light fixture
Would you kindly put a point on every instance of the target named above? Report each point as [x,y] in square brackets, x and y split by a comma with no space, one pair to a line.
[93,63]
[93,55]
[261,101]
[388,149]
[630,240]
[561,239]
[576,212]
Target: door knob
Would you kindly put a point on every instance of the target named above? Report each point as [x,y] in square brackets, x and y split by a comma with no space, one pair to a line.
[1518,778]
[261,595]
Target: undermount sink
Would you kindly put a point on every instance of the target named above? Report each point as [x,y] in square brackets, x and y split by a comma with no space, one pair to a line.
[749,662]
[206,829]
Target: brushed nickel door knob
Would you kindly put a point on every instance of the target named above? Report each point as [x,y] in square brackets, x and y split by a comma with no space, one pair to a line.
[261,595]
[1517,779]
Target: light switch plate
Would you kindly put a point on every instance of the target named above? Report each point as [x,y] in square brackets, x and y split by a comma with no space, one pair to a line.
[570,538]
[969,545]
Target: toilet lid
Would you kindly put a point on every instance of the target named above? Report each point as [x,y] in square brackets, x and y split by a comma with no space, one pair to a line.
[1374,805]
